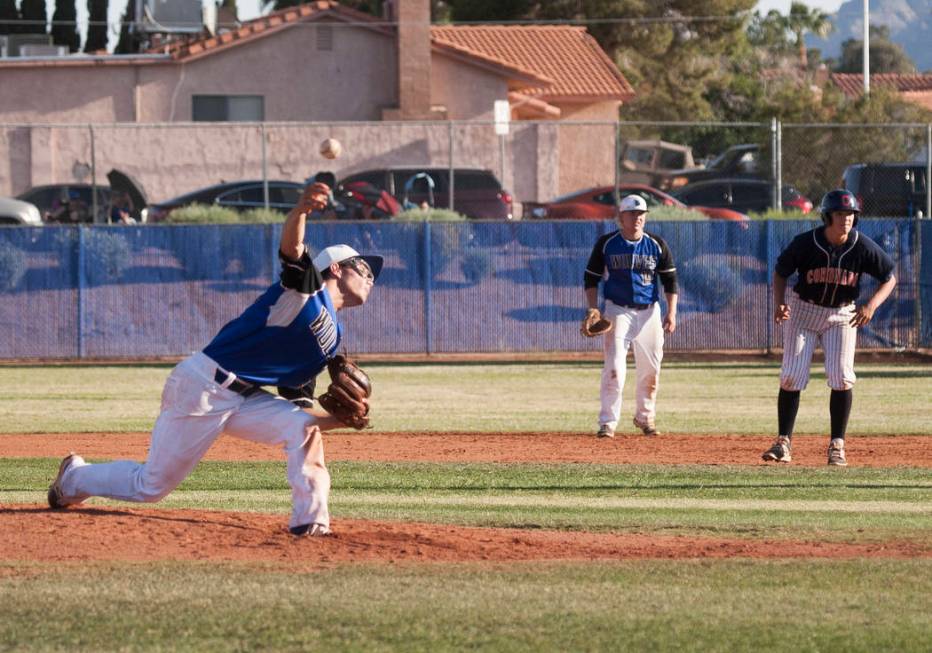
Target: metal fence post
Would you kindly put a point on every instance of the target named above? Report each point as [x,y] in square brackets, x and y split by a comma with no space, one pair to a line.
[82,279]
[428,322]
[929,170]
[776,161]
[617,157]
[265,169]
[452,163]
[768,235]
[93,175]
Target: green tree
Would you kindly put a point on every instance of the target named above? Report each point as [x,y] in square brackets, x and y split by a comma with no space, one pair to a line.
[801,21]
[65,25]
[490,10]
[9,16]
[32,13]
[97,26]
[885,56]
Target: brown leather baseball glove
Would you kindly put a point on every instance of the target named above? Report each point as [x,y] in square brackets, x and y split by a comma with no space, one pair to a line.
[347,397]
[594,324]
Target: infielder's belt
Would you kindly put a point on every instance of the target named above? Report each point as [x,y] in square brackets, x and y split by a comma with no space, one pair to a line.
[237,386]
[637,307]
[815,303]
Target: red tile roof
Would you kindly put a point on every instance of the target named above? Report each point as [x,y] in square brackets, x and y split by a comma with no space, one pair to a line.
[852,84]
[566,54]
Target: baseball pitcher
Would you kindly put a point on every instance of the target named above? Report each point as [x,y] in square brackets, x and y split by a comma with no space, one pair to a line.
[830,261]
[285,338]
[631,263]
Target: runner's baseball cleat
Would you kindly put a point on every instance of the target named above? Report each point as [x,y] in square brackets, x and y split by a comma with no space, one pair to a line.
[779,452]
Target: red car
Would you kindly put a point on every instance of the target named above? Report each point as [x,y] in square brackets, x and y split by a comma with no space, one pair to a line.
[599,204]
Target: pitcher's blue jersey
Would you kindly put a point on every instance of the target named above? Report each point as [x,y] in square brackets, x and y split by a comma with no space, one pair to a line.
[286,336]
[630,269]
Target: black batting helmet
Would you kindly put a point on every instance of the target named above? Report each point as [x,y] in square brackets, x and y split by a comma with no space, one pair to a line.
[839,200]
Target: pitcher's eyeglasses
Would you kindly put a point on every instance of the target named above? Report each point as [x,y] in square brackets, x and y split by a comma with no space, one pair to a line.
[360,267]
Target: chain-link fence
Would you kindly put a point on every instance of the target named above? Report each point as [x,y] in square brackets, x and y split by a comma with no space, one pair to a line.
[750,167]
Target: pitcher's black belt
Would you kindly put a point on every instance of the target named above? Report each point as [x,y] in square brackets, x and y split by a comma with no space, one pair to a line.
[637,307]
[237,386]
[810,301]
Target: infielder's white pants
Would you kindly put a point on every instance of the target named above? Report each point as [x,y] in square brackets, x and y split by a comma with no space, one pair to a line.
[807,326]
[643,331]
[195,411]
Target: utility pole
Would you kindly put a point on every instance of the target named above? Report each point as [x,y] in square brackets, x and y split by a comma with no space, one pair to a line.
[867,56]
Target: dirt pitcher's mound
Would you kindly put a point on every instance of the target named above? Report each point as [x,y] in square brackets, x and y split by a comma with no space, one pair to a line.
[712,449]
[87,534]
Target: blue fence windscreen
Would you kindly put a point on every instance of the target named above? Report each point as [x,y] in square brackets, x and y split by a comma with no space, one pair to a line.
[161,290]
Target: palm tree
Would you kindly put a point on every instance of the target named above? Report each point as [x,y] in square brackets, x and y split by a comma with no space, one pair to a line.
[801,20]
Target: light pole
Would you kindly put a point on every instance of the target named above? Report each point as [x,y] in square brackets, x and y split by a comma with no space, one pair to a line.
[867,56]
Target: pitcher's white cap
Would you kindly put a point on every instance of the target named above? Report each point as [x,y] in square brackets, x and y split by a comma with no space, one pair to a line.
[340,253]
[633,203]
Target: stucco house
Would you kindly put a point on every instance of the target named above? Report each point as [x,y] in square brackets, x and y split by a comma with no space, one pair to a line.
[325,64]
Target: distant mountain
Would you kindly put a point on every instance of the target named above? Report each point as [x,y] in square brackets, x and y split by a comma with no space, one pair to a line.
[910,23]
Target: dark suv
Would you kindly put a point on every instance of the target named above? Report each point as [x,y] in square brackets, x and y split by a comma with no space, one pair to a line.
[477,193]
[888,189]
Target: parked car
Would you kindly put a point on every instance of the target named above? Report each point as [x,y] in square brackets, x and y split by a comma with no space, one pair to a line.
[744,195]
[647,161]
[888,189]
[69,203]
[14,211]
[478,193]
[738,161]
[599,204]
[236,195]
[74,203]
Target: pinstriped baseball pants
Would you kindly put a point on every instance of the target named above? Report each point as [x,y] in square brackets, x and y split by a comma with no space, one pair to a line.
[809,325]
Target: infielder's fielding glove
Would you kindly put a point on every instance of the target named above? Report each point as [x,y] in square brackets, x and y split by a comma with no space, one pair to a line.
[594,324]
[347,397]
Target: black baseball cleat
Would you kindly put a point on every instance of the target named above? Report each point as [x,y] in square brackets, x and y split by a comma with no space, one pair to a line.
[311,530]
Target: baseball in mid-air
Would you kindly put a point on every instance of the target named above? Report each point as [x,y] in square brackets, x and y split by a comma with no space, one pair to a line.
[330,148]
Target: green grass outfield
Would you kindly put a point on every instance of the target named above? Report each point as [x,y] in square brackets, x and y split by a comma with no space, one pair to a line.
[681,605]
[693,398]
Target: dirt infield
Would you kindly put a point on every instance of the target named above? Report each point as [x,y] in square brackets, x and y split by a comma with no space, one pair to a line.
[146,534]
[866,451]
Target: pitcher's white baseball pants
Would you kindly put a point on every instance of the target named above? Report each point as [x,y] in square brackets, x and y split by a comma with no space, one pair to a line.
[195,411]
[643,332]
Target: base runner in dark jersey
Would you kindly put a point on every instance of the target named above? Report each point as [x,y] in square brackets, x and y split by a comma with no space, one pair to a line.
[830,261]
[632,264]
[284,339]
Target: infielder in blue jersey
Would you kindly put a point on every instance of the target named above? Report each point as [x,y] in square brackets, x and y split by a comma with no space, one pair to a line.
[284,339]
[829,261]
[632,264]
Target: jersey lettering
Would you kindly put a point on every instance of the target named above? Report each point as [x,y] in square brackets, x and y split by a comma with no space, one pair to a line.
[833,275]
[324,330]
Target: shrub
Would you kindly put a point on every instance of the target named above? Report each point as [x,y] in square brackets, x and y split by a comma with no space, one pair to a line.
[673,214]
[203,214]
[262,216]
[713,280]
[433,215]
[771,214]
[106,255]
[12,266]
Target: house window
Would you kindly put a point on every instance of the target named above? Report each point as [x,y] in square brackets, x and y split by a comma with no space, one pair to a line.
[228,108]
